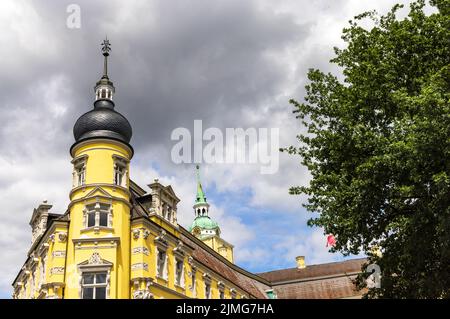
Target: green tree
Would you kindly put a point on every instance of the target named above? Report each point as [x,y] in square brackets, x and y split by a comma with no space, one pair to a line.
[378,149]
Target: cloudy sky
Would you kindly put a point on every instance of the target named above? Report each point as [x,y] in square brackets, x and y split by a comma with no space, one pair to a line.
[231,64]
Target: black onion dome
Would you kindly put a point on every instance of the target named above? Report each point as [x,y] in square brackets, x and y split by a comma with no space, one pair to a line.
[102,122]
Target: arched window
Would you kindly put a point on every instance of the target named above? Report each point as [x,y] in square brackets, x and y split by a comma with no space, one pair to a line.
[203,211]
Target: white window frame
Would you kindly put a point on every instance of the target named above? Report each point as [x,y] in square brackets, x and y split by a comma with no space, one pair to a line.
[120,169]
[193,281]
[79,171]
[43,271]
[163,210]
[169,213]
[179,277]
[96,208]
[94,265]
[163,268]
[207,289]
[103,270]
[32,283]
[95,285]
[233,293]
[221,288]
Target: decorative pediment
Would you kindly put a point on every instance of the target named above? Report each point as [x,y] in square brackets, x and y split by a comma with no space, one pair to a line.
[98,191]
[95,260]
[171,192]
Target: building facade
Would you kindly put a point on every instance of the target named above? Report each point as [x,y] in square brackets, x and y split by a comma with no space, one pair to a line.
[118,241]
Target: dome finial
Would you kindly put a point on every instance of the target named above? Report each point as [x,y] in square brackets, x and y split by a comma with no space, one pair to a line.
[104,89]
[106,47]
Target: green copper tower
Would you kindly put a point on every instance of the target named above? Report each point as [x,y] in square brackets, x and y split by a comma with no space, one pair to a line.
[201,199]
[202,226]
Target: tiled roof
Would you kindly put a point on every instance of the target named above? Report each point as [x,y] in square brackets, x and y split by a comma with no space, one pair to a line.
[324,281]
[328,288]
[312,271]
[252,286]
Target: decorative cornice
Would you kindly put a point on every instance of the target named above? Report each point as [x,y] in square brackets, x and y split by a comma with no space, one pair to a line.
[96,239]
[162,287]
[120,158]
[99,186]
[82,157]
[102,140]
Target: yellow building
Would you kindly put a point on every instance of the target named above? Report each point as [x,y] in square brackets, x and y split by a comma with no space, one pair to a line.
[116,241]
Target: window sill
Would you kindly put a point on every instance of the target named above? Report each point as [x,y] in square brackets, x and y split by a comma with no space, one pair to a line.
[97,229]
[165,280]
[179,286]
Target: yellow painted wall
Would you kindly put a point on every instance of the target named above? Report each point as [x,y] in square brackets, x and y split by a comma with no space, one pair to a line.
[99,187]
[148,256]
[220,246]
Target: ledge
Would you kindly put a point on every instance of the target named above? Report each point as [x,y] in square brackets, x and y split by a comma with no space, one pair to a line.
[96,229]
[96,239]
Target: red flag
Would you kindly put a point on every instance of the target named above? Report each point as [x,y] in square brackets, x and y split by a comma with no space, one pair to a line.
[331,241]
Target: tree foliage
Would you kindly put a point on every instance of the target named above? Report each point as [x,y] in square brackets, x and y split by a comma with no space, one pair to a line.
[378,149]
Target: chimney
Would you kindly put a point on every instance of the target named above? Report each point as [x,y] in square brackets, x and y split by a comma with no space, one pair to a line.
[300,262]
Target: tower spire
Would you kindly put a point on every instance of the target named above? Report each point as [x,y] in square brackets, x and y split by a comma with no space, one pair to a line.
[104,89]
[106,47]
[200,194]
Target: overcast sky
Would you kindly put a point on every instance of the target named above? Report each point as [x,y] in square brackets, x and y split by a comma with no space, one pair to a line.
[227,63]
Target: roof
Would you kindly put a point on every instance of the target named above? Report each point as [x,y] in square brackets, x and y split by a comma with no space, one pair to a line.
[324,281]
[314,271]
[246,281]
[102,122]
[205,255]
[204,222]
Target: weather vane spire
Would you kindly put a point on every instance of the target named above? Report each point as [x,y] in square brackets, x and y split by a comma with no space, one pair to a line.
[106,47]
[200,194]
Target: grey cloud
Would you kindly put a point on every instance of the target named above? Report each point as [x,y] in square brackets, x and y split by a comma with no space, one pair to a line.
[172,62]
